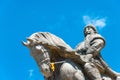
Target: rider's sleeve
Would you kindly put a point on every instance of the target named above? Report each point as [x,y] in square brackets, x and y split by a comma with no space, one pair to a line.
[80,48]
[95,47]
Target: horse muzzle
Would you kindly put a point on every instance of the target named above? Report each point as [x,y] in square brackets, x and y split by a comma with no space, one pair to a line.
[46,70]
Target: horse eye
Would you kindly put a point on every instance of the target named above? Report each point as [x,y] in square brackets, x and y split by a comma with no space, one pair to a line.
[38,47]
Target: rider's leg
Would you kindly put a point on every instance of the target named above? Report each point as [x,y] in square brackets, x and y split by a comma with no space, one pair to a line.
[92,72]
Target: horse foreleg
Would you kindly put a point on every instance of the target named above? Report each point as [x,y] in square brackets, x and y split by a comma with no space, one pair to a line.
[70,71]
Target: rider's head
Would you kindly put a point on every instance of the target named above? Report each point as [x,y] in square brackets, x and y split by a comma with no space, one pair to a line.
[89,29]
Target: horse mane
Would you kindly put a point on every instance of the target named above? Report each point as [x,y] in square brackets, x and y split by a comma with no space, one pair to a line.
[56,46]
[50,41]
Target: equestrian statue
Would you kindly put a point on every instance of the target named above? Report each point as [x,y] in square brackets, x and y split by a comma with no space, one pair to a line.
[58,61]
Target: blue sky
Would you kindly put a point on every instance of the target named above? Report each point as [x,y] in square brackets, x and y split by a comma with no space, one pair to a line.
[64,18]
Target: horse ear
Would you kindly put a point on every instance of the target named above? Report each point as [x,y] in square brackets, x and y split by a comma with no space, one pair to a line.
[30,40]
[25,43]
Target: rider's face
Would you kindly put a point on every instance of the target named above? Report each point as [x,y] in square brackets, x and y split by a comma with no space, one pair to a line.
[89,31]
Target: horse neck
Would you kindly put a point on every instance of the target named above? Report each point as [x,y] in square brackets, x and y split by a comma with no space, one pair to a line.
[55,57]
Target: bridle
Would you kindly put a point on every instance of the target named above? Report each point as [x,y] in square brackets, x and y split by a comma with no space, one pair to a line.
[46,59]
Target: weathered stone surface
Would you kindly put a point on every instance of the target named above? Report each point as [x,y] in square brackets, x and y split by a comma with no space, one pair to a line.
[58,61]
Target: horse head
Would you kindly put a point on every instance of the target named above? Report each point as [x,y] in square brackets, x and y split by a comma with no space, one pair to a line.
[41,56]
[45,49]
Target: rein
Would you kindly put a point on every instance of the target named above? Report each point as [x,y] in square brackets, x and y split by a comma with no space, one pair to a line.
[52,64]
[47,59]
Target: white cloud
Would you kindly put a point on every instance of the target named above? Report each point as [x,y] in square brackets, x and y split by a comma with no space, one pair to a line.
[98,22]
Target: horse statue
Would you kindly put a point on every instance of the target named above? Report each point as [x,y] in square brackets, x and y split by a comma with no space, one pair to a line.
[46,49]
[55,59]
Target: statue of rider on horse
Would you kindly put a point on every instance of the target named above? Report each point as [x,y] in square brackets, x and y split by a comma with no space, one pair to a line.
[58,61]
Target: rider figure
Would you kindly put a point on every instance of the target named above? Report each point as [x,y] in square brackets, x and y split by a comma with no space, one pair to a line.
[89,50]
